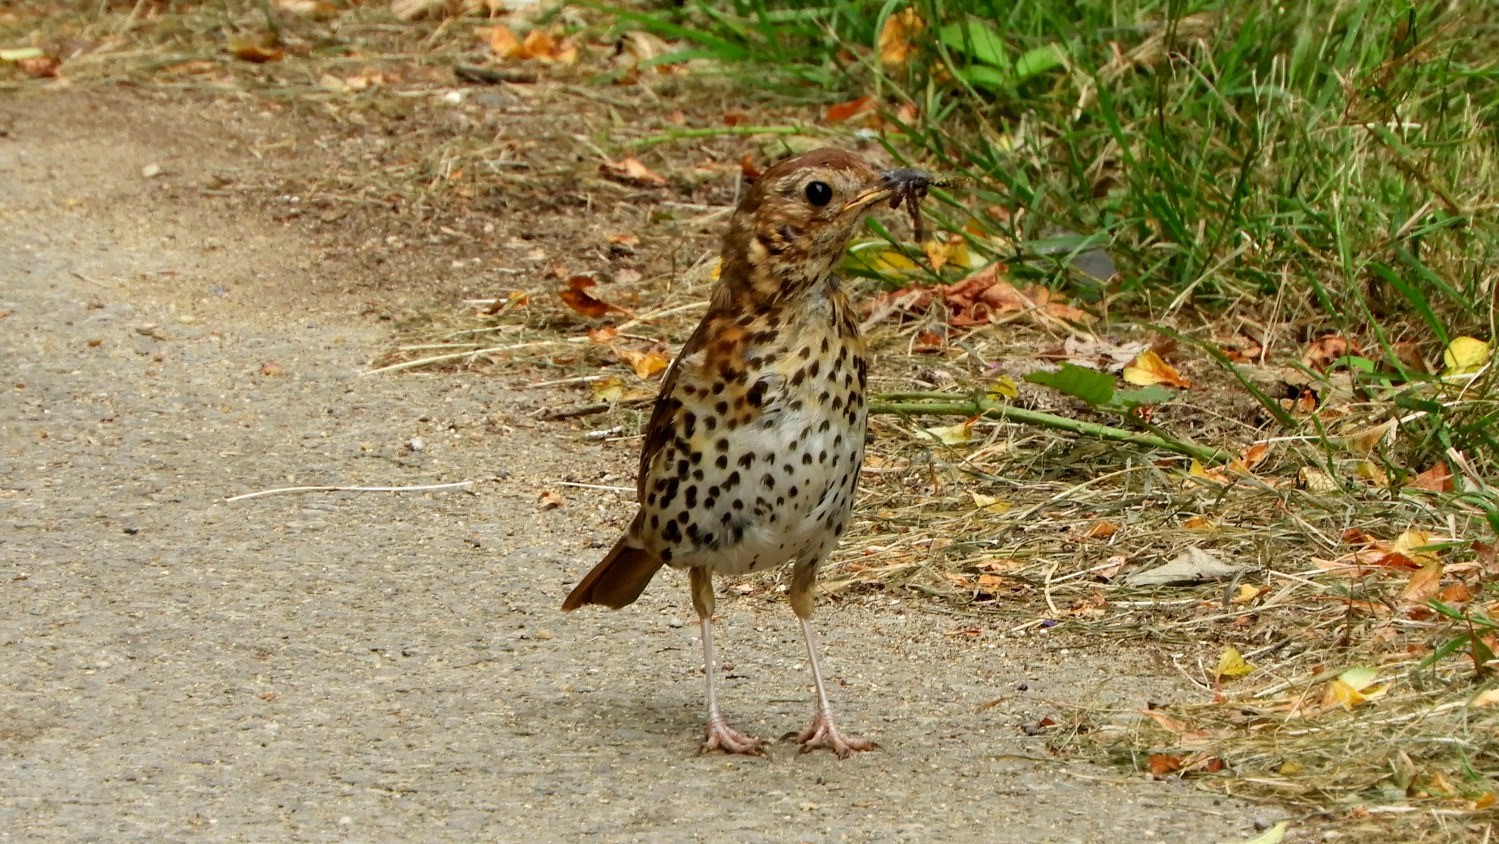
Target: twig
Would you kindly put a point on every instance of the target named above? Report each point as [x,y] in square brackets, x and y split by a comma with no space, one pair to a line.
[952,404]
[714,132]
[625,489]
[285,489]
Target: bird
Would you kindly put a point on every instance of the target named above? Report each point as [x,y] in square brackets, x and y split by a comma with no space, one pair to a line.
[752,453]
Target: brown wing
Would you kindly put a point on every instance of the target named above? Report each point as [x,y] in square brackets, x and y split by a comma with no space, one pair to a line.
[663,427]
[663,424]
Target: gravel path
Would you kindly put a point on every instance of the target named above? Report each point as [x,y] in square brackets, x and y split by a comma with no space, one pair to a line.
[393,667]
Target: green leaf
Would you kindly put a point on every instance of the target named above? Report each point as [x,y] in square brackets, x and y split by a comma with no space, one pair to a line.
[977,40]
[1094,387]
[1039,60]
[1154,394]
[983,76]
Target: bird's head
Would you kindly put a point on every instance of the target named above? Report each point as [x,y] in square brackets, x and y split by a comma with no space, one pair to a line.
[792,226]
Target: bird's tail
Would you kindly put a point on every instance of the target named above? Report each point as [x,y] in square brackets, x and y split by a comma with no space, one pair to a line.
[618,579]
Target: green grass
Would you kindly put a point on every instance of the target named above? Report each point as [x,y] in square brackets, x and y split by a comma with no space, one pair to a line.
[1329,163]
[1319,167]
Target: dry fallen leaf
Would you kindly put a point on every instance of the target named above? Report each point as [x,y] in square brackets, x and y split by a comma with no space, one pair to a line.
[549,500]
[1423,585]
[1247,593]
[1313,479]
[1163,765]
[1149,368]
[1193,565]
[897,39]
[40,67]
[1371,439]
[538,44]
[1092,352]
[502,40]
[1353,687]
[1252,457]
[647,365]
[952,434]
[1232,664]
[853,108]
[1485,698]
[1241,349]
[1324,351]
[578,298]
[991,503]
[1436,479]
[1101,530]
[953,251]
[255,53]
[631,171]
[1415,544]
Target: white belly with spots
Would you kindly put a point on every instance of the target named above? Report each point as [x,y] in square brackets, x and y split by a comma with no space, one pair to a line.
[787,497]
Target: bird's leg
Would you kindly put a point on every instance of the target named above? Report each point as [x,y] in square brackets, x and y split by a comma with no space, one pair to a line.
[720,735]
[823,732]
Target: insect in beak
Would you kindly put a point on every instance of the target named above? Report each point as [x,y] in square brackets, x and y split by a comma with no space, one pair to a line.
[900,185]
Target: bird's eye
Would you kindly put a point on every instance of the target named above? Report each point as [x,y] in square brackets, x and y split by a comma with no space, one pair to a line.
[819,193]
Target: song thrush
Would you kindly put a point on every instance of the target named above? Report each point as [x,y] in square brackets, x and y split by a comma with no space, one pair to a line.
[753,449]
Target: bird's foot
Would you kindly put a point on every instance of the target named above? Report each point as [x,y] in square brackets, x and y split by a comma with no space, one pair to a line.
[824,733]
[723,737]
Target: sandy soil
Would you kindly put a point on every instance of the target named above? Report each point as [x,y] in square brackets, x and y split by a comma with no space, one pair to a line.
[385,667]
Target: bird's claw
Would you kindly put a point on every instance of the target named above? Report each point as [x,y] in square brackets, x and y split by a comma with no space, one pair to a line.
[720,736]
[824,733]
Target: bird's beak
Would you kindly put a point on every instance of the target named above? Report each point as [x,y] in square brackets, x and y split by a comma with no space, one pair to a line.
[894,185]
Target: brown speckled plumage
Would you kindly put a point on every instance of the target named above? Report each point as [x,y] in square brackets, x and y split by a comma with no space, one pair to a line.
[752,453]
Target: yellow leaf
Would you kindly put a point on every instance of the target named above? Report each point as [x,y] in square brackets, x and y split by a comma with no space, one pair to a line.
[888,262]
[502,41]
[1198,523]
[1197,470]
[939,254]
[1149,369]
[1372,473]
[897,41]
[610,389]
[1274,835]
[1231,663]
[989,502]
[1414,544]
[1004,386]
[1247,593]
[952,434]
[1353,687]
[646,364]
[1465,356]
[1289,769]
